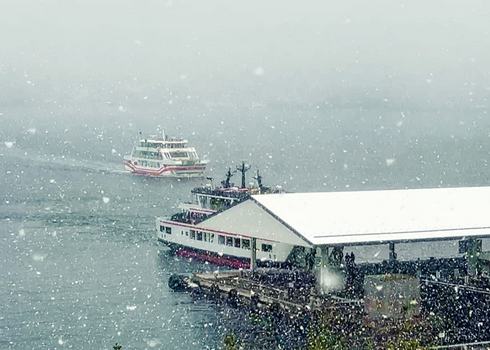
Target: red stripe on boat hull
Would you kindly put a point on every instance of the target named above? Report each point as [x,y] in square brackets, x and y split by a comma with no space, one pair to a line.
[224,260]
[165,170]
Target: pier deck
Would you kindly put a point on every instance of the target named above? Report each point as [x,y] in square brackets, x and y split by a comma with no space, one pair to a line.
[247,286]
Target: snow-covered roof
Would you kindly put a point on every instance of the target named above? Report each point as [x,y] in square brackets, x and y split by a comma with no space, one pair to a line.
[364,217]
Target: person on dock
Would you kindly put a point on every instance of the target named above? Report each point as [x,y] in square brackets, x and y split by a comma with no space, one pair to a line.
[353,279]
[336,257]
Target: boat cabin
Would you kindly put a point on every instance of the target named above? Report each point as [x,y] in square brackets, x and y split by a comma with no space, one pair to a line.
[174,149]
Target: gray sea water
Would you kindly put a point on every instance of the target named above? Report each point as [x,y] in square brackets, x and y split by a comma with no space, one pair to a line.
[80,267]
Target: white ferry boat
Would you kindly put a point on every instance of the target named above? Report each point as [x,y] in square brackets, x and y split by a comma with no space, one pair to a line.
[183,234]
[165,157]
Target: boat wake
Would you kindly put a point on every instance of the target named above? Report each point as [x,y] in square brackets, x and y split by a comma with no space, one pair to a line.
[61,162]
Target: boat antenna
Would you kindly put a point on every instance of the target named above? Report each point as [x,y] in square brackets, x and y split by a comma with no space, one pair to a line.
[243,169]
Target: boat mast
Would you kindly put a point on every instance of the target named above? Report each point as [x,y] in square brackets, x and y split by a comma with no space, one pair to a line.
[226,183]
[258,177]
[243,169]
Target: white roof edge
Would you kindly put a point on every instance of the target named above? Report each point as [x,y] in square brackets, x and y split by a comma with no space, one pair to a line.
[400,238]
[456,188]
[292,229]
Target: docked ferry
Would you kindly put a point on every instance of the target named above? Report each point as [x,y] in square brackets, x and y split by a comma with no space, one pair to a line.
[186,238]
[168,156]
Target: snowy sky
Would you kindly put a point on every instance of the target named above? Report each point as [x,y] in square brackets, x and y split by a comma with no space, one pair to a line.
[420,51]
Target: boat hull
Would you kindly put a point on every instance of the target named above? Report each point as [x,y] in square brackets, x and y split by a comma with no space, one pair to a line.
[196,170]
[207,256]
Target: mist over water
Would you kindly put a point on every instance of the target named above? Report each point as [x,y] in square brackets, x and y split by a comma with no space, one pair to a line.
[303,148]
[319,97]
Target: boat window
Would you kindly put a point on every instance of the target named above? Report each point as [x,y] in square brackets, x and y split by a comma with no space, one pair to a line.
[147,154]
[237,242]
[162,228]
[203,201]
[221,239]
[177,154]
[211,237]
[208,237]
[193,234]
[217,203]
[168,230]
[266,247]
[229,241]
[245,243]
[199,235]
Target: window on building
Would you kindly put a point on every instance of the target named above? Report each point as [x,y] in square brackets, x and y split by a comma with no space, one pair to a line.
[211,237]
[193,234]
[266,247]
[168,230]
[229,241]
[245,243]
[221,239]
[199,235]
[237,242]
[162,228]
